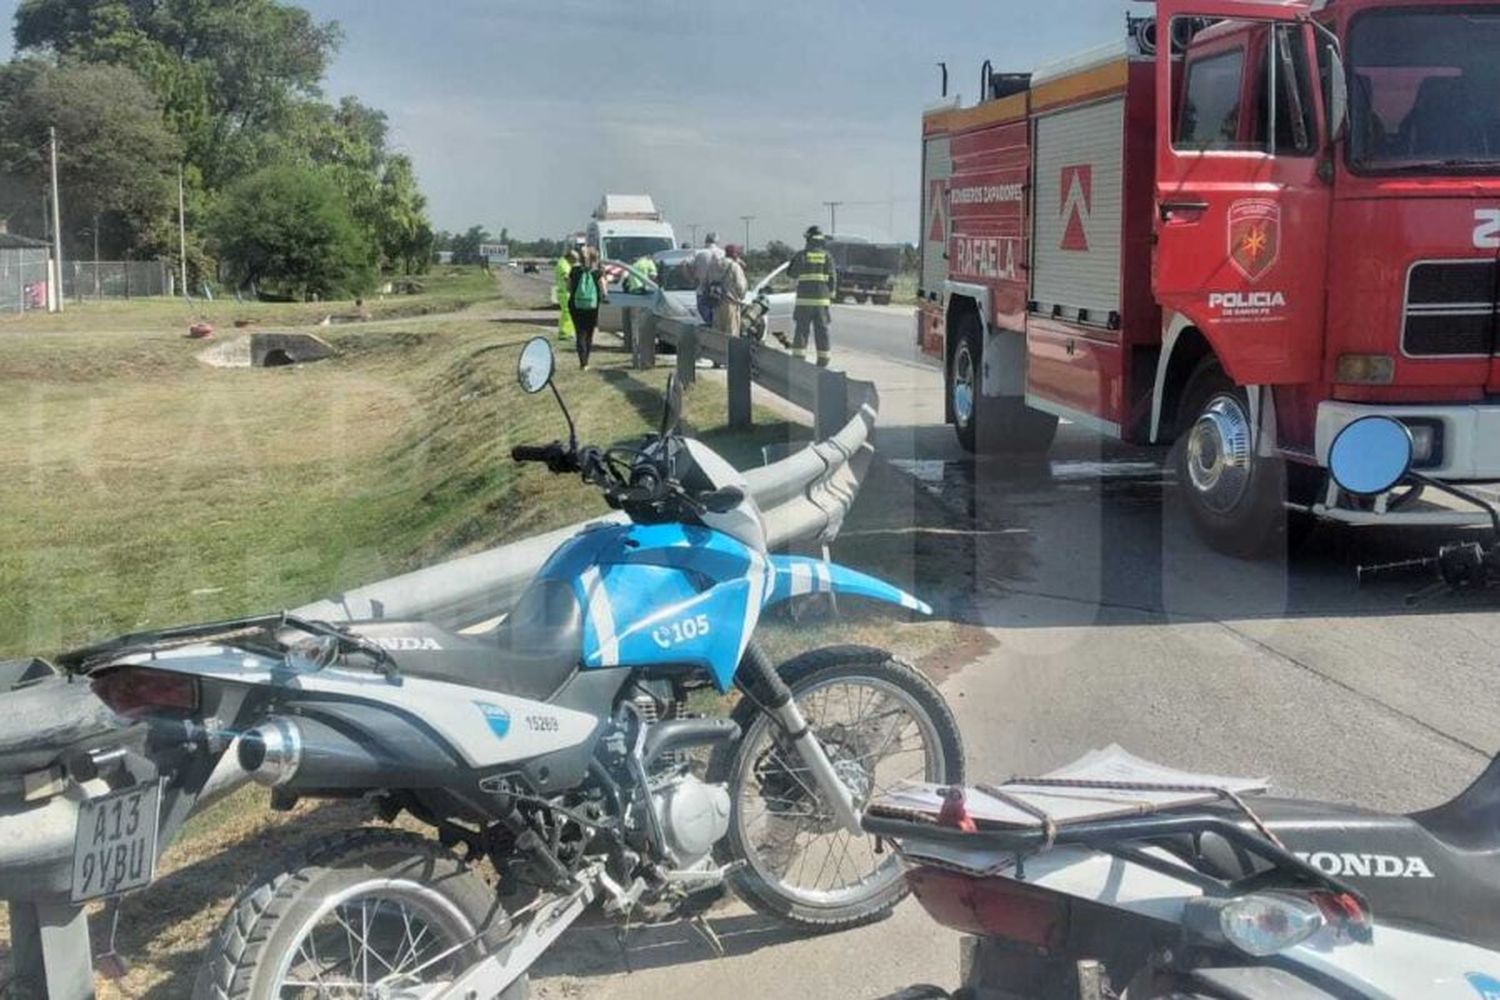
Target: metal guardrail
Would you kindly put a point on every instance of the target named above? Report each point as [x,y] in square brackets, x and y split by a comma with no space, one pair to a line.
[804,497]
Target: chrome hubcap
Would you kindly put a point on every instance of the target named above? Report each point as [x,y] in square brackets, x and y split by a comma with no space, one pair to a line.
[963,385]
[1219,454]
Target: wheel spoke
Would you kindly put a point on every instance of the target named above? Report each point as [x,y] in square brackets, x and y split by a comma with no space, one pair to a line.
[875,734]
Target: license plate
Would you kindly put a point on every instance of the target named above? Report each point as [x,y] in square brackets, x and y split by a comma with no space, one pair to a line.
[115,850]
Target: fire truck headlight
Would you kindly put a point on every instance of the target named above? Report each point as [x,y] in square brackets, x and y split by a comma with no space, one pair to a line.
[1366,369]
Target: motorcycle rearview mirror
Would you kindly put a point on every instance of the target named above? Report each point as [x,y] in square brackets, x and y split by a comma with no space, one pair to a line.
[534,370]
[1371,456]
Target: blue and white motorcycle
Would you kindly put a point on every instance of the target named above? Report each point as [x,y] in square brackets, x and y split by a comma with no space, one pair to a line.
[558,745]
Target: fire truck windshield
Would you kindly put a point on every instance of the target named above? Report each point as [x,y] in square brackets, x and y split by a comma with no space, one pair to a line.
[1425,89]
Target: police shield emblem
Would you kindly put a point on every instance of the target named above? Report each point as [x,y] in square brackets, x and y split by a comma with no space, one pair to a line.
[1254,236]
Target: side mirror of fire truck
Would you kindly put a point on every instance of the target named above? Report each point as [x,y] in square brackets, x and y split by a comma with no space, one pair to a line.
[1338,87]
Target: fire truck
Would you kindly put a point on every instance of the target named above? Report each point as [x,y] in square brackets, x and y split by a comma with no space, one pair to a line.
[1238,229]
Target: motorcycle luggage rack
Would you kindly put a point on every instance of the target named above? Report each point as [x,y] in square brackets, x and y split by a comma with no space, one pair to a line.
[1124,837]
[257,634]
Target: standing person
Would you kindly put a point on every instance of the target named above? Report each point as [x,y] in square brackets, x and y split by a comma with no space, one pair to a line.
[817,283]
[705,267]
[732,287]
[586,292]
[561,273]
[643,268]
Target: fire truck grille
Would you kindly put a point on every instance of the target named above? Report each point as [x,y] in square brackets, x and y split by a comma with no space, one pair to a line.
[1451,308]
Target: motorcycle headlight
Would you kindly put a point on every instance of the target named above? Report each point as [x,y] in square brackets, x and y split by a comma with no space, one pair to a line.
[1260,926]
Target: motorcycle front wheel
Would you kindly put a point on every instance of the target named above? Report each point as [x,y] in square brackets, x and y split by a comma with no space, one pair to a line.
[881,722]
[369,913]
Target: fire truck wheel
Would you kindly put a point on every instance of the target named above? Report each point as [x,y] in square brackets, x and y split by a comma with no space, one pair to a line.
[1234,497]
[989,424]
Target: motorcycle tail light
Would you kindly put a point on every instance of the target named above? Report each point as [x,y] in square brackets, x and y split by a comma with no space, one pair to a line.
[994,906]
[134,693]
[1261,925]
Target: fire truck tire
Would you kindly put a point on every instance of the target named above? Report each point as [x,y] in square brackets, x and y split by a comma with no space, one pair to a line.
[1235,498]
[986,424]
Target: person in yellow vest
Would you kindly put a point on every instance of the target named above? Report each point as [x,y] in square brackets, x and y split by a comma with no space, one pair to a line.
[644,267]
[560,291]
[817,283]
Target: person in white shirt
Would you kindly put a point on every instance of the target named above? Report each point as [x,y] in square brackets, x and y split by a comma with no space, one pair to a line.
[704,266]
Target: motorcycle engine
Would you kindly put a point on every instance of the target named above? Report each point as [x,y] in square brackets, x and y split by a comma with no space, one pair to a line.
[696,816]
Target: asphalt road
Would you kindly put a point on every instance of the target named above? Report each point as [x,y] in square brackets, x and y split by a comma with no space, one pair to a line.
[1111,624]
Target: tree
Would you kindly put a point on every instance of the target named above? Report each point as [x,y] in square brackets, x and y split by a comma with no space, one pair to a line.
[465,246]
[117,160]
[291,226]
[226,71]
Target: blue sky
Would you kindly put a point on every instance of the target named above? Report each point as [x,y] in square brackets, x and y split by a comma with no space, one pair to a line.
[522,113]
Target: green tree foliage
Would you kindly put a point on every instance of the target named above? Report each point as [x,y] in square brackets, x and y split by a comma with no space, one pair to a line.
[227,71]
[117,159]
[465,246]
[291,227]
[237,82]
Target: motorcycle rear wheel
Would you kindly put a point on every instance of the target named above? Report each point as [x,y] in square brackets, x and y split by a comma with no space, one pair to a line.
[365,911]
[863,704]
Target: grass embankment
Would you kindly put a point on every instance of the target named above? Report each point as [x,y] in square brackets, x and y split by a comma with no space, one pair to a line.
[444,290]
[141,487]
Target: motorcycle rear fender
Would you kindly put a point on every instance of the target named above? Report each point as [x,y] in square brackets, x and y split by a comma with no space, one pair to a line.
[799,575]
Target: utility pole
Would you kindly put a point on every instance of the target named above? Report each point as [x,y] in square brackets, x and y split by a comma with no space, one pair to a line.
[96,256]
[833,216]
[694,227]
[182,231]
[747,219]
[56,218]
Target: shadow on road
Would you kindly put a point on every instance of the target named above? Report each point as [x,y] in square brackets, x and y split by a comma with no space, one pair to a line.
[602,949]
[1092,535]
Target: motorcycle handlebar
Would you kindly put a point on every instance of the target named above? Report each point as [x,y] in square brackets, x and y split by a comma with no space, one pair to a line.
[536,452]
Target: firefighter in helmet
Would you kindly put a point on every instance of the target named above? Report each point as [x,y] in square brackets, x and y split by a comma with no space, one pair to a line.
[817,283]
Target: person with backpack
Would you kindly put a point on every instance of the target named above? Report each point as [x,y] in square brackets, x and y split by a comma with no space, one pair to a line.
[586,292]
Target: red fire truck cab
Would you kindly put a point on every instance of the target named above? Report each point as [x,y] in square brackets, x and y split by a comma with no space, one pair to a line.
[1241,228]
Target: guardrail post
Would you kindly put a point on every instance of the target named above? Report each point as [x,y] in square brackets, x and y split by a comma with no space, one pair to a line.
[741,368]
[687,358]
[643,346]
[833,404]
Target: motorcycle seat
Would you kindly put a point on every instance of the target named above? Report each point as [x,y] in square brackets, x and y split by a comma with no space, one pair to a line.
[42,720]
[1470,822]
[531,655]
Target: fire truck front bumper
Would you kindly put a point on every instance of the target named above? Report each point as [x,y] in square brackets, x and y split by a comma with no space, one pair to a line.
[1454,443]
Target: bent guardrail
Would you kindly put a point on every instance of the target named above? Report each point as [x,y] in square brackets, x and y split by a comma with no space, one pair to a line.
[805,496]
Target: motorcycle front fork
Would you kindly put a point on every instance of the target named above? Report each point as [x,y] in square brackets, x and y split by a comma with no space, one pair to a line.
[777,700]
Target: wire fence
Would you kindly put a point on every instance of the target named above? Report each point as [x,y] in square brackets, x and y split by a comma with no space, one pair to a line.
[23,281]
[86,280]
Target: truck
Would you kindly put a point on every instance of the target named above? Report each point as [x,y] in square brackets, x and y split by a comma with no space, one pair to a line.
[627,227]
[1238,229]
[867,271]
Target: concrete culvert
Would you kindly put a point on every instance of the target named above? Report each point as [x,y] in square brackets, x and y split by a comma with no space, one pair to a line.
[275,350]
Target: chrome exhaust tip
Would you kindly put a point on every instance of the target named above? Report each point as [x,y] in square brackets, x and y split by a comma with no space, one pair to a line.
[272,751]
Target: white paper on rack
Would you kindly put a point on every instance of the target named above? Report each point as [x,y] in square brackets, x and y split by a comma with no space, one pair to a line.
[1065,806]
